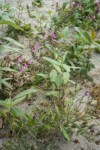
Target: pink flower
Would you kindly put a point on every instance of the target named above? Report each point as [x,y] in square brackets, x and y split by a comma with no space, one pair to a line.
[94,17]
[23,67]
[73,4]
[36,47]
[86,94]
[52,35]
[20,59]
[30,62]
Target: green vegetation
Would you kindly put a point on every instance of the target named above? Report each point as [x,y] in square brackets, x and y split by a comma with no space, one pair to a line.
[61,45]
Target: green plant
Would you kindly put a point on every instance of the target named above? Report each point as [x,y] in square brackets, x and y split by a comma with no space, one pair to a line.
[3,81]
[60,73]
[60,108]
[38,3]
[76,49]
[62,50]
[6,45]
[7,11]
[9,110]
[25,30]
[79,13]
[15,25]
[82,49]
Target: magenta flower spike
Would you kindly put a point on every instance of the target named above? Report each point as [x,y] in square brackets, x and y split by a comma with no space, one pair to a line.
[36,47]
[20,59]
[52,35]
[30,62]
[73,4]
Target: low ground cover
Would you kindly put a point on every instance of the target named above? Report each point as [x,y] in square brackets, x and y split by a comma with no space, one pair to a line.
[39,81]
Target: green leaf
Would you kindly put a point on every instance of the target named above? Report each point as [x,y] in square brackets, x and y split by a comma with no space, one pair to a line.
[57,68]
[10,23]
[7,69]
[4,82]
[6,48]
[66,77]
[6,103]
[79,30]
[53,75]
[19,100]
[58,111]
[87,37]
[24,93]
[52,93]
[13,41]
[59,80]
[83,71]
[89,78]
[66,67]
[65,32]
[53,62]
[95,45]
[45,76]
[18,112]
[47,126]
[65,56]
[65,133]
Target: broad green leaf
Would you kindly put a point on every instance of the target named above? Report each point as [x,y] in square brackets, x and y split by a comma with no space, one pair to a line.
[17,112]
[59,80]
[5,17]
[4,82]
[57,68]
[79,30]
[24,93]
[53,75]
[52,93]
[13,41]
[97,41]
[7,48]
[97,45]
[87,37]
[10,23]
[66,67]
[18,100]
[53,62]
[66,77]
[45,76]
[7,69]
[6,103]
